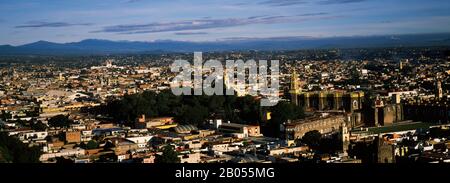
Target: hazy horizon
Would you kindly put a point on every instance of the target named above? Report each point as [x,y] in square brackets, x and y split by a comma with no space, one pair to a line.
[24,22]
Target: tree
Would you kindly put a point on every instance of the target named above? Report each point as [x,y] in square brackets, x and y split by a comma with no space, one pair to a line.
[312,138]
[186,109]
[169,155]
[284,111]
[439,132]
[32,113]
[355,77]
[330,145]
[62,160]
[39,126]
[22,123]
[5,115]
[364,151]
[13,150]
[195,115]
[249,109]
[92,144]
[5,156]
[215,103]
[281,113]
[368,102]
[59,121]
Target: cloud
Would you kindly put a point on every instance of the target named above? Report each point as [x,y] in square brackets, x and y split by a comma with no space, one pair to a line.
[279,3]
[283,2]
[266,38]
[312,14]
[132,1]
[200,24]
[190,33]
[241,4]
[255,17]
[39,24]
[329,2]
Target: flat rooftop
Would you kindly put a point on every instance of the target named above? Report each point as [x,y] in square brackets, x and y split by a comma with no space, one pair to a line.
[396,127]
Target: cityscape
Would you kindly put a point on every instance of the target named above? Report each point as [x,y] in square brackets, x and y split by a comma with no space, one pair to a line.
[333,110]
[378,94]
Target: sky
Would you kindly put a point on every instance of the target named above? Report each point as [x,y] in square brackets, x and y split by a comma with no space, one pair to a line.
[26,21]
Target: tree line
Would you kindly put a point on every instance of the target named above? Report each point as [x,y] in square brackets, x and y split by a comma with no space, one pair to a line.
[196,110]
[12,150]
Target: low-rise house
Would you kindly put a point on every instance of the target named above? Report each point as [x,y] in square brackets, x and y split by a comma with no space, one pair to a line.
[63,153]
[73,137]
[144,122]
[246,130]
[223,147]
[288,150]
[140,141]
[33,135]
[122,146]
[150,159]
[190,158]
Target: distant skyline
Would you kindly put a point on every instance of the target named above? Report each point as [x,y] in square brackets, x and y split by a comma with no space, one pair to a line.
[26,21]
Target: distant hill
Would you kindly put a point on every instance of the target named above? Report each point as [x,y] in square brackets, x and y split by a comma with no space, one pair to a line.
[95,46]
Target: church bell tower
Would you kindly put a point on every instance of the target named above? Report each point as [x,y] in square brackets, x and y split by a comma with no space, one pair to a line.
[295,89]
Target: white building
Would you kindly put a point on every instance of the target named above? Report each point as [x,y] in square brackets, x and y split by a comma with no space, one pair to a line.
[33,135]
[63,153]
[140,141]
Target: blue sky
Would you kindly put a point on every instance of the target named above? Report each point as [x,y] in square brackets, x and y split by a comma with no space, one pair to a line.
[25,21]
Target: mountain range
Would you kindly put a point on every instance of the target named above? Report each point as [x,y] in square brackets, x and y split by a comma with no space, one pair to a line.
[101,47]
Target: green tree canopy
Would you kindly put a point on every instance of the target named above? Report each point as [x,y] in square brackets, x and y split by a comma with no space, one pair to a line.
[39,126]
[312,138]
[196,114]
[59,121]
[284,111]
[62,160]
[186,109]
[169,155]
[92,144]
[5,115]
[13,150]
[281,113]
